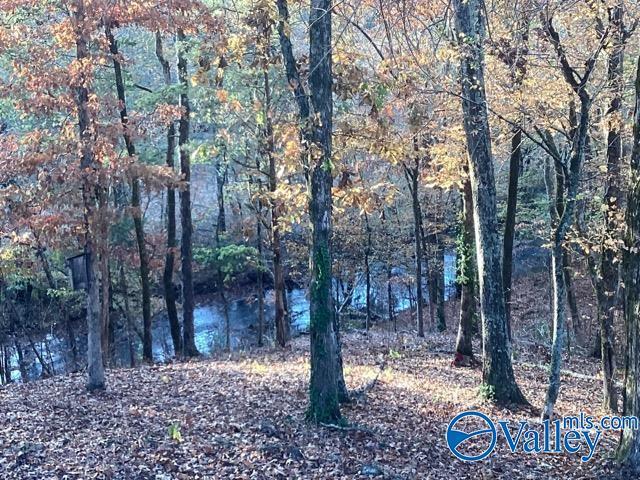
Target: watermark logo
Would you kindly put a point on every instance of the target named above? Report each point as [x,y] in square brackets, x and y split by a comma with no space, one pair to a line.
[471,436]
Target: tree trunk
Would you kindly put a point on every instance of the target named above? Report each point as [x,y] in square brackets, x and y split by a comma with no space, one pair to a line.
[282,325]
[436,284]
[413,177]
[172,243]
[497,371]
[127,314]
[609,274]
[260,278]
[629,448]
[136,212]
[367,272]
[390,302]
[186,247]
[95,368]
[562,217]
[464,340]
[564,212]
[572,302]
[24,377]
[515,161]
[323,385]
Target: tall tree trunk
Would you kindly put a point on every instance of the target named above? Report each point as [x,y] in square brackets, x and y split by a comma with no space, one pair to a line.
[464,340]
[609,275]
[515,161]
[304,114]
[260,274]
[563,215]
[136,211]
[221,179]
[323,386]
[127,314]
[186,247]
[172,242]
[413,179]
[367,272]
[436,285]
[390,299]
[629,448]
[497,370]
[96,377]
[572,301]
[282,325]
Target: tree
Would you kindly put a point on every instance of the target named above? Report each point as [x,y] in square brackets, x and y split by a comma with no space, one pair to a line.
[466,277]
[323,385]
[629,448]
[497,372]
[172,243]
[147,341]
[95,370]
[303,104]
[562,209]
[186,247]
[608,279]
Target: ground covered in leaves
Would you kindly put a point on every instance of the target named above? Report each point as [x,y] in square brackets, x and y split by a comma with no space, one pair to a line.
[243,417]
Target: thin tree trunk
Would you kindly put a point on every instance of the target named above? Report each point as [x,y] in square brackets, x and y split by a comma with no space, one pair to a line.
[629,448]
[282,325]
[564,212]
[24,377]
[413,178]
[172,242]
[323,386]
[572,301]
[390,298]
[127,314]
[609,274]
[464,340]
[260,279]
[367,272]
[436,284]
[136,212]
[497,371]
[515,161]
[186,247]
[96,377]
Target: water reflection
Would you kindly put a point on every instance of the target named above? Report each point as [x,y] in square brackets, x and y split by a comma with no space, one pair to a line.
[210,335]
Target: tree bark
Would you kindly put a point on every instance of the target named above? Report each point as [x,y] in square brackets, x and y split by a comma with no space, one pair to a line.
[95,366]
[282,325]
[436,284]
[464,340]
[629,448]
[515,161]
[304,114]
[172,243]
[563,213]
[367,272]
[136,211]
[186,247]
[413,180]
[323,386]
[497,371]
[609,274]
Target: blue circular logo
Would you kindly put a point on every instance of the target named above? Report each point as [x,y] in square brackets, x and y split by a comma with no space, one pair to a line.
[458,436]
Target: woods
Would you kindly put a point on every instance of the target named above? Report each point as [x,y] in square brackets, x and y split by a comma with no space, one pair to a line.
[394,212]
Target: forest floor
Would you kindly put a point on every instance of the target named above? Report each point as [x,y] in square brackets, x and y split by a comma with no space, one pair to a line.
[242,416]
